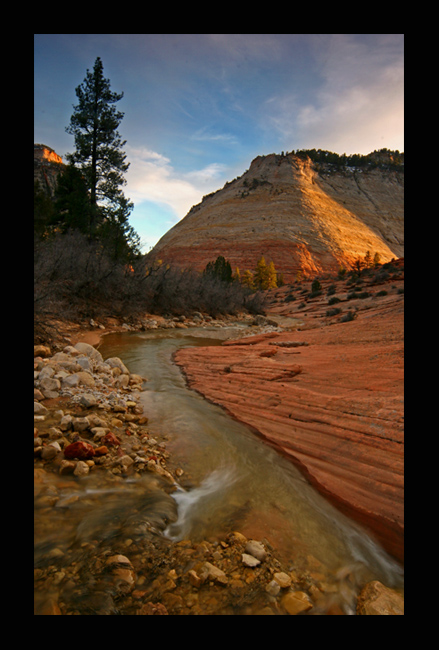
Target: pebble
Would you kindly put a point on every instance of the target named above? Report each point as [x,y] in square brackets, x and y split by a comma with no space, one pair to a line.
[250,560]
[256,549]
[282,579]
[295,602]
[211,572]
[81,469]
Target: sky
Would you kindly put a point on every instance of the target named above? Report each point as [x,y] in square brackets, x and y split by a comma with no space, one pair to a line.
[198,108]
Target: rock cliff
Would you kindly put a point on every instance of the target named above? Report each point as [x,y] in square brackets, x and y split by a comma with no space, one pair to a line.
[47,165]
[300,214]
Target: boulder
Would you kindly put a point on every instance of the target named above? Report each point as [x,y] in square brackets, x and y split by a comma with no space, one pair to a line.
[90,351]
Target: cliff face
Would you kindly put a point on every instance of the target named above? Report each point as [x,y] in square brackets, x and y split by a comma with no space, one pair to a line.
[298,214]
[47,165]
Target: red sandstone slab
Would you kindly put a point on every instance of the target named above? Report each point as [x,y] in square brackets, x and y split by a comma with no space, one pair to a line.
[334,408]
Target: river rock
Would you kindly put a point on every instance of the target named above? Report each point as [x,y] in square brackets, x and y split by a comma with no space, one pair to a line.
[115,362]
[283,579]
[110,440]
[210,572]
[42,351]
[256,549]
[295,602]
[49,385]
[80,449]
[376,599]
[90,351]
[125,461]
[250,560]
[39,409]
[273,588]
[66,423]
[50,451]
[88,400]
[81,424]
[66,467]
[81,469]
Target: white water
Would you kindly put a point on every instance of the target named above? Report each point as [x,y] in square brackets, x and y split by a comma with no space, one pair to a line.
[199,503]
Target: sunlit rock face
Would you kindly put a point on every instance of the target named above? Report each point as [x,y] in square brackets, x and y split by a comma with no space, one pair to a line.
[44,153]
[47,165]
[303,216]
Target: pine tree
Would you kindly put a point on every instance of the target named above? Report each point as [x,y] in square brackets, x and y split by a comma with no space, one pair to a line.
[72,205]
[367,259]
[220,269]
[99,153]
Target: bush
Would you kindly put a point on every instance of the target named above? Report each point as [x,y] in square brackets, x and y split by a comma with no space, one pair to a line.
[77,278]
[334,300]
[350,315]
[333,312]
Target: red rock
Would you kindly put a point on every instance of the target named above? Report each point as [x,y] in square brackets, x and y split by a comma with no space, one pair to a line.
[111,440]
[81,450]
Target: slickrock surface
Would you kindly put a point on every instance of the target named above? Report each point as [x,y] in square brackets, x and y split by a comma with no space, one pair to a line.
[300,215]
[329,397]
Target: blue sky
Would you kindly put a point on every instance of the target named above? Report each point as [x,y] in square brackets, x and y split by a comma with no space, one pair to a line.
[199,107]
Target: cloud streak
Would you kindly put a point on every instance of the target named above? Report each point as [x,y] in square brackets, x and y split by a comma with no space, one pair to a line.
[151,177]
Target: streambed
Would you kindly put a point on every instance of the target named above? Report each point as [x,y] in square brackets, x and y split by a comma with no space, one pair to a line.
[231,481]
[234,475]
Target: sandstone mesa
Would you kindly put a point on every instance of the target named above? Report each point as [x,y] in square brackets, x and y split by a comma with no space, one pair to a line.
[299,214]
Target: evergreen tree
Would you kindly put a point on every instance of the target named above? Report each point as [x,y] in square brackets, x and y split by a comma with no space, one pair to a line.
[221,269]
[43,211]
[72,204]
[368,259]
[99,153]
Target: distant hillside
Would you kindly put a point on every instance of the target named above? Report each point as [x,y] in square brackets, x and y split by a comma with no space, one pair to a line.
[47,165]
[307,210]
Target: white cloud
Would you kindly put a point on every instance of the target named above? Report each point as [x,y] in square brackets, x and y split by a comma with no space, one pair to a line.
[151,177]
[358,105]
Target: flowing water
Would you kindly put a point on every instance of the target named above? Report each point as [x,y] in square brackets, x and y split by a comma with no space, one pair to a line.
[234,474]
[231,481]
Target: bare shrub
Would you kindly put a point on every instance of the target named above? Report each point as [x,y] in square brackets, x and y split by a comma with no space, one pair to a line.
[76,278]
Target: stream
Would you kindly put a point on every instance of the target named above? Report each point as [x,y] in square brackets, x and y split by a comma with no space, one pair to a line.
[231,481]
[235,476]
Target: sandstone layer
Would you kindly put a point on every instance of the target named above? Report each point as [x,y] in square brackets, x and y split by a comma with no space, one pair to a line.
[299,214]
[328,396]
